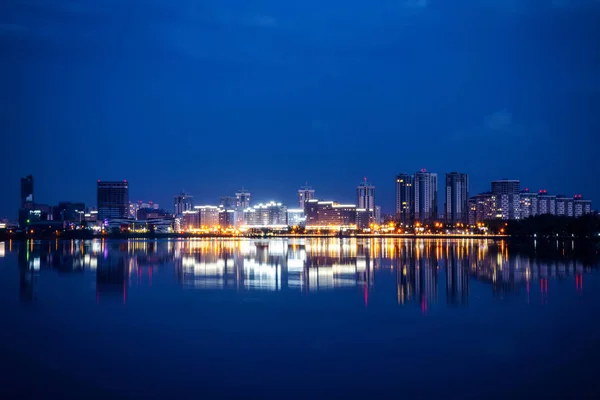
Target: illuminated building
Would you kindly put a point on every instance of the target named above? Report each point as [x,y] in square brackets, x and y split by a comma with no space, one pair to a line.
[546,203]
[27,192]
[482,207]
[528,204]
[404,198]
[151,213]
[295,217]
[113,200]
[183,202]
[378,219]
[457,197]
[208,216]
[565,206]
[332,215]
[91,216]
[426,196]
[365,198]
[226,217]
[305,193]
[266,215]
[581,206]
[507,198]
[191,220]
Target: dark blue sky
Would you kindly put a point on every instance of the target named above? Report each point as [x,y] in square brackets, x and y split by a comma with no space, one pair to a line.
[215,94]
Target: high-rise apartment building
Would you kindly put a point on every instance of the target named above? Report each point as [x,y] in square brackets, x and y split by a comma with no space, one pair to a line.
[507,194]
[365,198]
[113,200]
[331,215]
[183,202]
[405,196]
[305,193]
[27,192]
[208,216]
[228,202]
[456,208]
[564,206]
[546,203]
[426,196]
[528,204]
[581,206]
[265,215]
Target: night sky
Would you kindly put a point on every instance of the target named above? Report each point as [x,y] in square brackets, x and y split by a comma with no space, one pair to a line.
[209,96]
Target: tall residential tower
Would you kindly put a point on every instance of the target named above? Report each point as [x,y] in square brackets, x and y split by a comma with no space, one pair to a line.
[426,196]
[456,207]
[405,194]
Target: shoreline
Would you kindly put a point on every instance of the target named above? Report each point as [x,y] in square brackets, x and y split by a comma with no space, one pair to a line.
[78,236]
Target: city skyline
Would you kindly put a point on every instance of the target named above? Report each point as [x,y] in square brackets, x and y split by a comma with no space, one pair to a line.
[77,111]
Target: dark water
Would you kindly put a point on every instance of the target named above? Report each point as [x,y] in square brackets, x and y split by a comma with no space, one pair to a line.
[299,319]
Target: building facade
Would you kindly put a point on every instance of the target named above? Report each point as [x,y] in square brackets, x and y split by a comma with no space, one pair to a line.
[295,217]
[581,206]
[528,206]
[546,203]
[113,200]
[305,193]
[404,198]
[456,207]
[266,215]
[565,206]
[365,198]
[27,200]
[426,196]
[208,216]
[332,215]
[507,193]
[183,202]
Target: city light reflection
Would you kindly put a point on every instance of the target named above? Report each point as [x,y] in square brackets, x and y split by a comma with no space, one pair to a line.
[422,267]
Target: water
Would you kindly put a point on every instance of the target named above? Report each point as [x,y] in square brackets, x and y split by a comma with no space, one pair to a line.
[314,318]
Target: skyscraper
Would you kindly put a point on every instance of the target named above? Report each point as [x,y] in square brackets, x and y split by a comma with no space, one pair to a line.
[305,193]
[507,198]
[183,202]
[27,192]
[365,198]
[457,197]
[426,196]
[113,200]
[242,199]
[405,194]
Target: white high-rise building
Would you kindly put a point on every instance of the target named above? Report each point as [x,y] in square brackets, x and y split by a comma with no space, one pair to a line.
[242,199]
[365,198]
[564,206]
[208,216]
[528,204]
[581,206]
[426,196]
[305,193]
[457,198]
[546,203]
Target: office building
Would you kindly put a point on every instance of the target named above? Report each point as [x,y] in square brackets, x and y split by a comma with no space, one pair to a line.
[295,217]
[565,206]
[581,206]
[190,220]
[365,198]
[305,193]
[183,202]
[456,208]
[208,216]
[113,200]
[404,198]
[27,192]
[507,193]
[528,206]
[266,215]
[546,203]
[426,196]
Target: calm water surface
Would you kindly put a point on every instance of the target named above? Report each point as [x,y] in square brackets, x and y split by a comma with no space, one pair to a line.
[314,318]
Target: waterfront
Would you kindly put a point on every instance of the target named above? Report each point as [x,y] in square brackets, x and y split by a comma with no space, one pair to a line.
[459,318]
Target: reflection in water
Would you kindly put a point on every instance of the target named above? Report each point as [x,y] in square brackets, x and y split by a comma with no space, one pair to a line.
[306,265]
